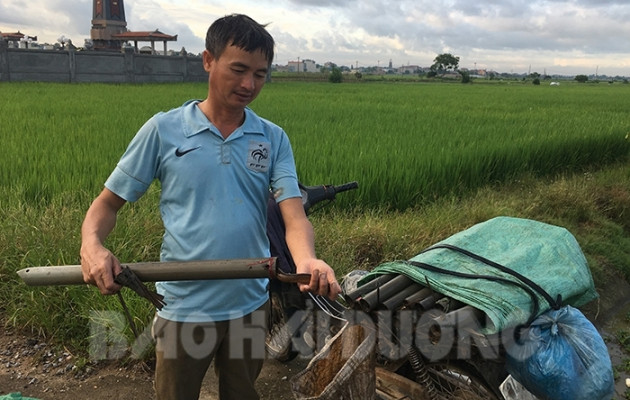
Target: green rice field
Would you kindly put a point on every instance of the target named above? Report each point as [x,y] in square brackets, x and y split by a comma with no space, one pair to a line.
[411,146]
[405,143]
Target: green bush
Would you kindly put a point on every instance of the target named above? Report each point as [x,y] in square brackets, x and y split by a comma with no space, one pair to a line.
[465,76]
[335,76]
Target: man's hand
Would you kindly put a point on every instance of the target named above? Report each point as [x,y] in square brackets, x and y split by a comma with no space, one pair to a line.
[99,267]
[301,241]
[323,281]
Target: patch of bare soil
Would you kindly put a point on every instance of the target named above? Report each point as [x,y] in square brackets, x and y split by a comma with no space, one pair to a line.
[35,369]
[611,314]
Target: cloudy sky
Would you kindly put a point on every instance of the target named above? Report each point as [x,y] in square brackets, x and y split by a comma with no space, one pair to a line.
[566,37]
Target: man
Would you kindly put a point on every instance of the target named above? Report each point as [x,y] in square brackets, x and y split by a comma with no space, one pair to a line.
[215,160]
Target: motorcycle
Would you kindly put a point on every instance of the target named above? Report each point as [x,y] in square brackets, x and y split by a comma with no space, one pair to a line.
[301,323]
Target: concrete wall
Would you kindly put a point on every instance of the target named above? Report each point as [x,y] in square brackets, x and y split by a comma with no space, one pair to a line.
[94,66]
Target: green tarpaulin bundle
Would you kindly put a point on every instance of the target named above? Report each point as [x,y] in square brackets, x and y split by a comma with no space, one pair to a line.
[15,396]
[546,254]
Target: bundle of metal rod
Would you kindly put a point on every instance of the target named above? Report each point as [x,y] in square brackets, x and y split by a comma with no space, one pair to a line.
[467,321]
[416,297]
[398,299]
[429,301]
[374,298]
[452,305]
[356,294]
[462,317]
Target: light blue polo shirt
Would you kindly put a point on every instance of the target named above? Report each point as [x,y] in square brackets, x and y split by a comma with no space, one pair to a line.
[213,201]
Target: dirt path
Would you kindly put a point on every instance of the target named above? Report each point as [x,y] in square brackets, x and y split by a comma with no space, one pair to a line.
[36,370]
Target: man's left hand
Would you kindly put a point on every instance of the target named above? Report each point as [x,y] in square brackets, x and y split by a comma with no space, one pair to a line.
[323,281]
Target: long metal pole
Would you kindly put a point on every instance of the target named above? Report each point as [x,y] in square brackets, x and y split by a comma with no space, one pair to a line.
[168,271]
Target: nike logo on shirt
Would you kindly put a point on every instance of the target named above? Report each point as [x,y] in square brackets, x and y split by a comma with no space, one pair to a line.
[179,153]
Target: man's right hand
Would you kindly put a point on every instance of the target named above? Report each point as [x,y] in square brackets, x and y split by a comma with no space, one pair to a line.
[99,267]
[98,264]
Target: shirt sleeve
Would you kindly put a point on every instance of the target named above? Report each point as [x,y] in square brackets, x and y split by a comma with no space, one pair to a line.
[139,164]
[284,181]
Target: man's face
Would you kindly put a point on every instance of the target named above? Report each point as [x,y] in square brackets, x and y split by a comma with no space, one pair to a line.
[236,77]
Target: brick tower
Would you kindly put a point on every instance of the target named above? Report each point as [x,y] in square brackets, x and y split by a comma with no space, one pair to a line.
[108,19]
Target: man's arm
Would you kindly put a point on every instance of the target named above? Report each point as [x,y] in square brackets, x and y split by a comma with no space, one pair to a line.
[301,242]
[98,264]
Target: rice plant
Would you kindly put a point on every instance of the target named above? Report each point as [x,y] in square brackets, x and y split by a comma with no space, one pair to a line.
[408,145]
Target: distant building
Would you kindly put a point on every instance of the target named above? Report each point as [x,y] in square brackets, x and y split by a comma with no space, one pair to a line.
[108,19]
[295,66]
[302,66]
[109,28]
[17,39]
[280,68]
[309,66]
[409,69]
[152,37]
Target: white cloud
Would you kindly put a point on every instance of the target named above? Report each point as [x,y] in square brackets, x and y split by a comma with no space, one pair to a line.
[559,36]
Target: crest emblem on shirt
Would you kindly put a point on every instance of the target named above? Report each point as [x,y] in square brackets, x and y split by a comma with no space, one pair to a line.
[258,156]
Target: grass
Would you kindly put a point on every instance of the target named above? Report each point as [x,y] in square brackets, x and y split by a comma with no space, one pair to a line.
[431,160]
[593,206]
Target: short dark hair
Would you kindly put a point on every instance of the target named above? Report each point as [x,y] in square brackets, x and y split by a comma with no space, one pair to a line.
[241,31]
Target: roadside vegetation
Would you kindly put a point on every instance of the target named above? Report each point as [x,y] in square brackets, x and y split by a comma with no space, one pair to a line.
[431,160]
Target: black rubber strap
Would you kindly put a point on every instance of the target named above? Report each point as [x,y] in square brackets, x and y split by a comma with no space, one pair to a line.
[535,304]
[555,304]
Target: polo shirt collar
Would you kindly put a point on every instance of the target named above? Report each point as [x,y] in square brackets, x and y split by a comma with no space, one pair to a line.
[252,123]
[195,122]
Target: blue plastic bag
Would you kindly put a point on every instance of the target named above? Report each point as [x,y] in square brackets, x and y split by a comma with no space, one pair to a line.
[561,356]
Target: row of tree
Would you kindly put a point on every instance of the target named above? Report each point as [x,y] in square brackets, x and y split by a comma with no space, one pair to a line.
[445,63]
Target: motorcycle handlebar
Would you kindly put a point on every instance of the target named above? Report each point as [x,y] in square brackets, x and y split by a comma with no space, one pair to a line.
[312,195]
